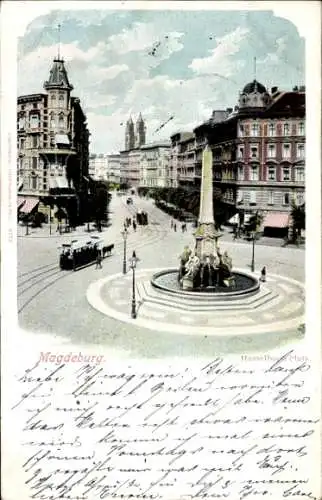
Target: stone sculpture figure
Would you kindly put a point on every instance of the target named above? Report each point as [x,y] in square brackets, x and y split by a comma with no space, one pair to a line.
[192,266]
[184,257]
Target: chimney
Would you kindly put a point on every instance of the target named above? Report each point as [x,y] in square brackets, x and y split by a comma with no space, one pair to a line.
[302,88]
[274,89]
[229,110]
[295,89]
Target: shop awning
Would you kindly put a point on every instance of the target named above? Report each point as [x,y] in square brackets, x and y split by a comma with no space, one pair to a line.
[62,139]
[277,219]
[20,201]
[29,205]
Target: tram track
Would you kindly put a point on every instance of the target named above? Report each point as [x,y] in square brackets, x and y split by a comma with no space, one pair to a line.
[46,272]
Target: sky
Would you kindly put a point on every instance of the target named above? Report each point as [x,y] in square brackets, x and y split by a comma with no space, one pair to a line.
[163,64]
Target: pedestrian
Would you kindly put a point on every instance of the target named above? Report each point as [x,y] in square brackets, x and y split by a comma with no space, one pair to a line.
[263,274]
[182,228]
[235,233]
[134,226]
[171,223]
[98,260]
[175,227]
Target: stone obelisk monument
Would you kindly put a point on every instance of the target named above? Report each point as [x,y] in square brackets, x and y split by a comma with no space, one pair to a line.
[206,235]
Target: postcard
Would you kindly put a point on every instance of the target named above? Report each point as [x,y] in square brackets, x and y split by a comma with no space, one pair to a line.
[161,250]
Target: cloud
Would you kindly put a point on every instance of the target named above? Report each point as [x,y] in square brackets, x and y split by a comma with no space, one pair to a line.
[157,64]
[219,60]
[154,43]
[277,56]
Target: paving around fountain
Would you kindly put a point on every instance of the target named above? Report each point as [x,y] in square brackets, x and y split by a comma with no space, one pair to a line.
[277,307]
[207,295]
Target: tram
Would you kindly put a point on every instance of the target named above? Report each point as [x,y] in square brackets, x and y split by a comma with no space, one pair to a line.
[81,252]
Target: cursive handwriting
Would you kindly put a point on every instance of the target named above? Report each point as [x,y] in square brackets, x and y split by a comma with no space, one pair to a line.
[220,431]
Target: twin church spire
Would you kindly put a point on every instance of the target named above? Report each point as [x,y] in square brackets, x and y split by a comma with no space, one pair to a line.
[135,135]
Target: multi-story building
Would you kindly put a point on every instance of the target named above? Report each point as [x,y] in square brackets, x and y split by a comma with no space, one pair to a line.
[154,165]
[53,141]
[98,166]
[183,158]
[259,150]
[113,168]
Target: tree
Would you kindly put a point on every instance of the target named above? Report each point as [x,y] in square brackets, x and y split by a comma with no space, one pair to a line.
[298,221]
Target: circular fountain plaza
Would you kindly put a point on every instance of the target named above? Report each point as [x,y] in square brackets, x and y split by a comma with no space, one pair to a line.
[206,295]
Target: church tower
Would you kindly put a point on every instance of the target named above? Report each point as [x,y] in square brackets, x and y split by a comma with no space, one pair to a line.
[140,131]
[129,135]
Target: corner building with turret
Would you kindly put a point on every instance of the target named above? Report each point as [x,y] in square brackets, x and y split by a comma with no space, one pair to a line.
[52,143]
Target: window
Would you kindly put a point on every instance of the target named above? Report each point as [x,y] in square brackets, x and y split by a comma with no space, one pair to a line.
[22,143]
[299,198]
[301,128]
[253,173]
[271,130]
[271,173]
[53,97]
[21,123]
[61,97]
[35,105]
[286,151]
[286,173]
[252,198]
[271,150]
[239,197]
[34,121]
[61,120]
[286,199]
[52,120]
[254,151]
[255,130]
[33,181]
[240,152]
[240,173]
[300,151]
[34,141]
[299,174]
[286,129]
[34,163]
[241,130]
[270,200]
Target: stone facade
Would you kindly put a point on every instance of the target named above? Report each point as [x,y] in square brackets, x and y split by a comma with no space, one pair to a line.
[259,150]
[154,165]
[52,137]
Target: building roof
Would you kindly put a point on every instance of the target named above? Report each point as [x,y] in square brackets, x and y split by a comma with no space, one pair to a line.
[30,97]
[287,104]
[58,77]
[254,86]
[152,145]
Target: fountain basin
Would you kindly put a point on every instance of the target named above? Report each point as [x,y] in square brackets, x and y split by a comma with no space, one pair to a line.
[166,281]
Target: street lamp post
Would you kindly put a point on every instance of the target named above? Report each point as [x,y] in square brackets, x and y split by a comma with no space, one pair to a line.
[124,236]
[253,252]
[134,261]
[50,219]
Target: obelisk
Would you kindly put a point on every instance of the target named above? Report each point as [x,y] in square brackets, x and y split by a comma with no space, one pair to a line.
[206,235]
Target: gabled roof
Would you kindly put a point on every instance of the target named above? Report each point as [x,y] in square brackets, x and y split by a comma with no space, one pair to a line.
[58,77]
